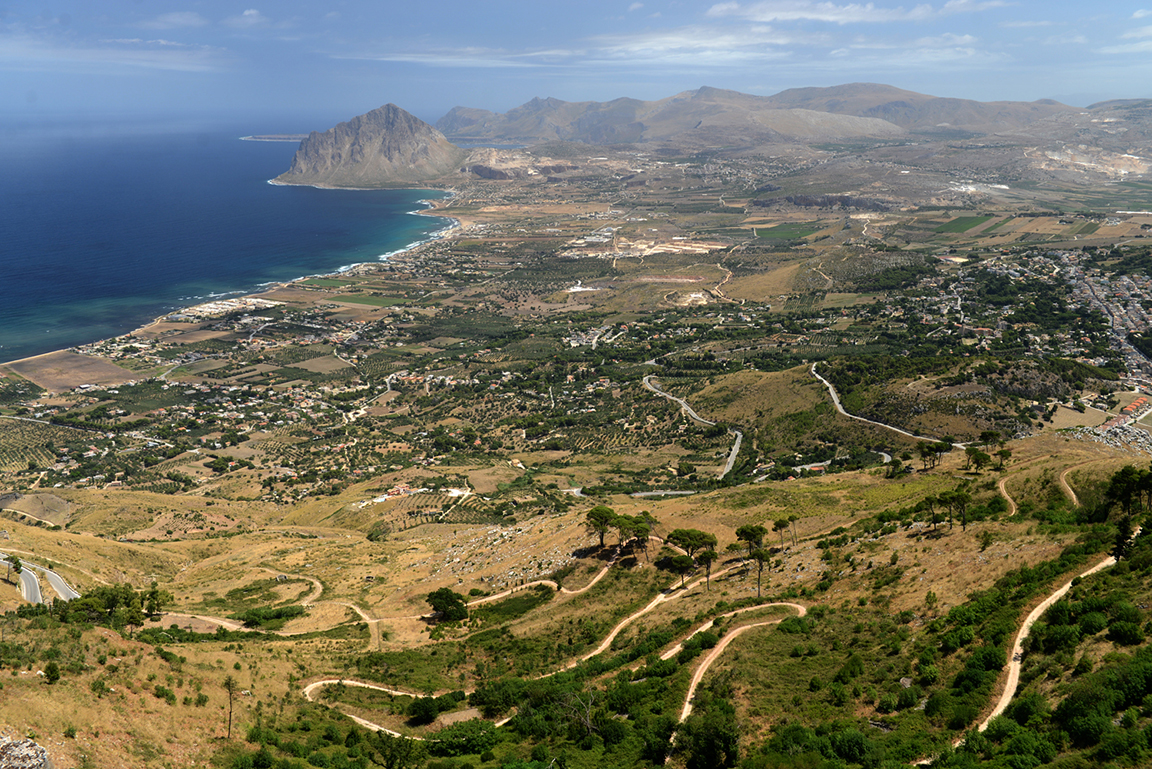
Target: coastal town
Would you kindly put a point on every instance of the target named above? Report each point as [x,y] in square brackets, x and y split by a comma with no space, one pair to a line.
[870,411]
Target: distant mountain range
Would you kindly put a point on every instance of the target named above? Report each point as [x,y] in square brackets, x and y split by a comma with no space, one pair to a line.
[388,146]
[805,114]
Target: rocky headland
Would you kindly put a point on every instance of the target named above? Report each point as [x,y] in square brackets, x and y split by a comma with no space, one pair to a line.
[384,147]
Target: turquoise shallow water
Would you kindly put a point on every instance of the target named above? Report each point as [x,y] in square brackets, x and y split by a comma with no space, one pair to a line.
[101,233]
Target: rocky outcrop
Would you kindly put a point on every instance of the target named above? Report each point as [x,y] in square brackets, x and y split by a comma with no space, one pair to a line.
[386,147]
[23,754]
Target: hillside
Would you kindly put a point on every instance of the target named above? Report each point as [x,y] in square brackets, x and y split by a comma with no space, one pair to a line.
[805,114]
[911,110]
[385,146]
[703,114]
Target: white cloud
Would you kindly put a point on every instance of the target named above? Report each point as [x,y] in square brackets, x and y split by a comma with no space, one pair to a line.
[1070,38]
[1141,47]
[1139,32]
[699,47]
[247,20]
[635,7]
[947,39]
[695,46]
[1142,13]
[138,41]
[850,13]
[27,52]
[1027,24]
[476,58]
[798,10]
[175,20]
[971,6]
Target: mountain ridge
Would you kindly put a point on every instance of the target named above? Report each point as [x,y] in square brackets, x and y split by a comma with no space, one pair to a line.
[769,118]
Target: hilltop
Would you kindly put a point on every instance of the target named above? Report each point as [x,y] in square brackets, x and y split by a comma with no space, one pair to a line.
[384,146]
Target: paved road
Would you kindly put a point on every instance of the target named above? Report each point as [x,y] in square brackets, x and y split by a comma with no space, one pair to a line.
[732,454]
[30,586]
[62,588]
[697,418]
[836,402]
[683,403]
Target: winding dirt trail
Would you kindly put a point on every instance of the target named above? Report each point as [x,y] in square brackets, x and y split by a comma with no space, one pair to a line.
[558,588]
[1007,497]
[1022,635]
[312,687]
[697,677]
[728,638]
[1062,478]
[1067,487]
[312,599]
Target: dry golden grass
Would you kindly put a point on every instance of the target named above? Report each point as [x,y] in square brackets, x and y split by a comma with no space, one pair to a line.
[130,727]
[118,512]
[43,506]
[766,286]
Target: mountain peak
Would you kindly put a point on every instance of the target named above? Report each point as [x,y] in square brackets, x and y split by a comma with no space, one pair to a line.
[386,146]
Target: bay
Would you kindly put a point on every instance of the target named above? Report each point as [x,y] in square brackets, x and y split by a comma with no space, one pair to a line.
[102,231]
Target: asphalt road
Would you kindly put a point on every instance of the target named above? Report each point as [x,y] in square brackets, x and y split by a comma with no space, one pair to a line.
[57,582]
[30,586]
[696,417]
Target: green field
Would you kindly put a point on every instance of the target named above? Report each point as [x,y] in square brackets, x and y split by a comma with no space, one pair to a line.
[1000,224]
[327,282]
[790,231]
[375,301]
[962,224]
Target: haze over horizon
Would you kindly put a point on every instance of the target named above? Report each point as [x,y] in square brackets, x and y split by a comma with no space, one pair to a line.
[299,65]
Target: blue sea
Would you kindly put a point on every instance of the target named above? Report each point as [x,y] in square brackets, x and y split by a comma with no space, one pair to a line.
[102,230]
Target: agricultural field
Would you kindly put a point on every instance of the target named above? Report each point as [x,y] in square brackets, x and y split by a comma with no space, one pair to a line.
[774,483]
[26,445]
[963,224]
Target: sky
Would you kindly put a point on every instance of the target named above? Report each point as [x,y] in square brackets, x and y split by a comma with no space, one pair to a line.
[291,65]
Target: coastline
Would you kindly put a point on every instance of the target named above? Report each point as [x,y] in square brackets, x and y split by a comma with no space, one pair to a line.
[431,206]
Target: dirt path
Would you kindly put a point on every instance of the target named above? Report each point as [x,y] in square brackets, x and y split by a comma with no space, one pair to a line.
[317,585]
[801,610]
[728,638]
[227,624]
[1063,479]
[565,591]
[697,677]
[312,600]
[1021,636]
[307,692]
[669,595]
[1007,497]
[1067,486]
[28,515]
